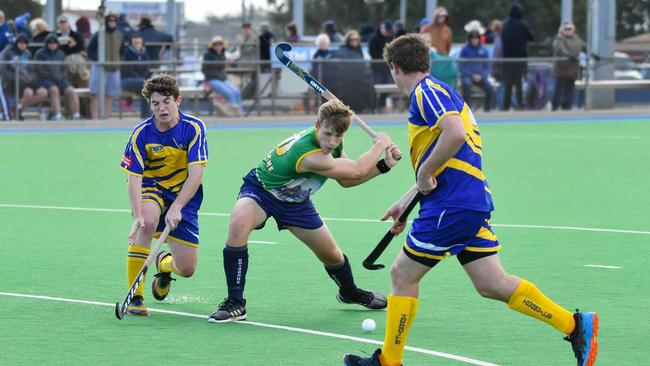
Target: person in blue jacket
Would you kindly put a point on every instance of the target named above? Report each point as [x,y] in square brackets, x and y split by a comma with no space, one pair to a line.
[475,72]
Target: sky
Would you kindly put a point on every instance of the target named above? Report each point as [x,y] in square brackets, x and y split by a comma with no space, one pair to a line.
[195,10]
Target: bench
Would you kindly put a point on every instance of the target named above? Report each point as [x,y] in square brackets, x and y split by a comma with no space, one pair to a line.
[613,84]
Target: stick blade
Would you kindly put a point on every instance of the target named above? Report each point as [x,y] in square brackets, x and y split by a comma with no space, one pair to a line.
[119,311]
[372,266]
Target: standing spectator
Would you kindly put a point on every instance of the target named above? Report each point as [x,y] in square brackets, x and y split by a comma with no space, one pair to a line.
[497,52]
[515,35]
[52,79]
[475,73]
[380,71]
[113,52]
[569,45]
[352,43]
[22,26]
[153,38]
[398,29]
[83,28]
[6,34]
[73,46]
[134,75]
[329,28]
[366,31]
[17,58]
[124,27]
[440,32]
[266,40]
[248,57]
[40,30]
[292,33]
[214,72]
[476,26]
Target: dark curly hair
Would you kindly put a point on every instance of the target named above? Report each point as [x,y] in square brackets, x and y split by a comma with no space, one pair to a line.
[408,52]
[164,84]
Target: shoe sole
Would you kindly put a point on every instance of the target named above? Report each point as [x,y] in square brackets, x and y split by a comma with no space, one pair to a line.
[233,319]
[593,342]
[343,301]
[139,313]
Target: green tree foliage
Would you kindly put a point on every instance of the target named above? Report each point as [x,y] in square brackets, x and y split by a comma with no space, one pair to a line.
[13,8]
[632,17]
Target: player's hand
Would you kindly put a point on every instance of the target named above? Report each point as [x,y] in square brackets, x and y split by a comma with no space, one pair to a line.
[392,155]
[394,211]
[426,183]
[173,217]
[382,140]
[138,223]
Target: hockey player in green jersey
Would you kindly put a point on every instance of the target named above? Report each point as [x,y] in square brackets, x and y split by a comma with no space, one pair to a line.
[281,186]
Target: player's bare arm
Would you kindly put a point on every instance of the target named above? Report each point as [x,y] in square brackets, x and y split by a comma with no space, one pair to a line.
[391,157]
[396,210]
[343,168]
[450,141]
[191,185]
[134,185]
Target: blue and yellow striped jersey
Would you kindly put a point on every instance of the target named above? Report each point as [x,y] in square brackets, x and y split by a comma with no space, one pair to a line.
[162,158]
[461,182]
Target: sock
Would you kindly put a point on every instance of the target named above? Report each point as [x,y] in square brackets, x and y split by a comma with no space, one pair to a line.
[342,276]
[400,315]
[134,262]
[528,299]
[167,265]
[235,265]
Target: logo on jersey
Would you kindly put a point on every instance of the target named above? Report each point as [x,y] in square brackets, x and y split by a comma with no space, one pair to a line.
[156,148]
[127,162]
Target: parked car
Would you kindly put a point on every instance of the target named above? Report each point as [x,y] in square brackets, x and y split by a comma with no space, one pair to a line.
[624,68]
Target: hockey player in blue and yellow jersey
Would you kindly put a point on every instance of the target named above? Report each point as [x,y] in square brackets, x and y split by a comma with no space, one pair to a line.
[164,157]
[446,152]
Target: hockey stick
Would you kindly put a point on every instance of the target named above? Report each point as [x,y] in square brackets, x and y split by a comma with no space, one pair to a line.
[369,262]
[280,49]
[120,308]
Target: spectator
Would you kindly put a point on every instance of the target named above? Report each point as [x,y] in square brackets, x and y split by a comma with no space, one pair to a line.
[248,58]
[73,46]
[440,32]
[134,75]
[113,52]
[497,52]
[380,71]
[153,39]
[329,28]
[292,33]
[52,79]
[475,73]
[83,28]
[266,40]
[476,26]
[17,58]
[214,72]
[398,29]
[40,30]
[22,25]
[323,53]
[352,42]
[514,37]
[124,27]
[423,23]
[443,67]
[367,30]
[6,34]
[566,44]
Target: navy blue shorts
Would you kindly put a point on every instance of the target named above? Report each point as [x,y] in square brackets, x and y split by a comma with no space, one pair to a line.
[300,214]
[47,84]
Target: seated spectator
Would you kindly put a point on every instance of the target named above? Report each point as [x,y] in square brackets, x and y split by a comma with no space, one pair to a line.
[113,53]
[52,79]
[475,73]
[134,75]
[352,42]
[292,33]
[153,38]
[443,67]
[214,71]
[40,30]
[18,57]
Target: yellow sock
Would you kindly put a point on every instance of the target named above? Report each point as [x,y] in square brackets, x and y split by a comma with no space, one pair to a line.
[167,265]
[400,314]
[528,299]
[134,262]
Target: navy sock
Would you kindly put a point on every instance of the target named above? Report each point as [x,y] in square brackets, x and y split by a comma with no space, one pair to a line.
[342,276]
[235,265]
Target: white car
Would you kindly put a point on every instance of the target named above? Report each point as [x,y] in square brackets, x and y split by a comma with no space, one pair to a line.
[624,68]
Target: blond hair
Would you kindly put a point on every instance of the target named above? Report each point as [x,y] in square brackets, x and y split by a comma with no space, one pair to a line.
[337,114]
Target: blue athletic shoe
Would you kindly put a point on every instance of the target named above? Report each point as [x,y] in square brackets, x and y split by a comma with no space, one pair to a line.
[584,338]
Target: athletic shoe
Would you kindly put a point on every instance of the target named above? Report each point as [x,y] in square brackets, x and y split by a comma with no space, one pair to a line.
[230,310]
[373,360]
[584,338]
[136,307]
[370,299]
[163,280]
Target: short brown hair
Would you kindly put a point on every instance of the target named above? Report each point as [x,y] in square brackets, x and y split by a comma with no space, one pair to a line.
[164,84]
[408,52]
[336,113]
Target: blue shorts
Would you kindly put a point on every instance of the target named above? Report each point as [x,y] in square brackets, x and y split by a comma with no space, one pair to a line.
[113,83]
[187,231]
[47,84]
[432,238]
[300,214]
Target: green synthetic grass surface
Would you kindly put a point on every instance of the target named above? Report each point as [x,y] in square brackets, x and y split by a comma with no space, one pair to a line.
[583,175]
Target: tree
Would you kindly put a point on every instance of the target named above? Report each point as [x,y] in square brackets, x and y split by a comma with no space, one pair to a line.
[13,8]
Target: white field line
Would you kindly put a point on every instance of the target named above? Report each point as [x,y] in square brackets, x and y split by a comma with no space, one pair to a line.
[450,356]
[570,228]
[262,242]
[602,266]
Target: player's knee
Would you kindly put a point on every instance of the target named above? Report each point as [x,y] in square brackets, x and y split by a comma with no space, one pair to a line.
[150,226]
[186,271]
[239,228]
[488,289]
